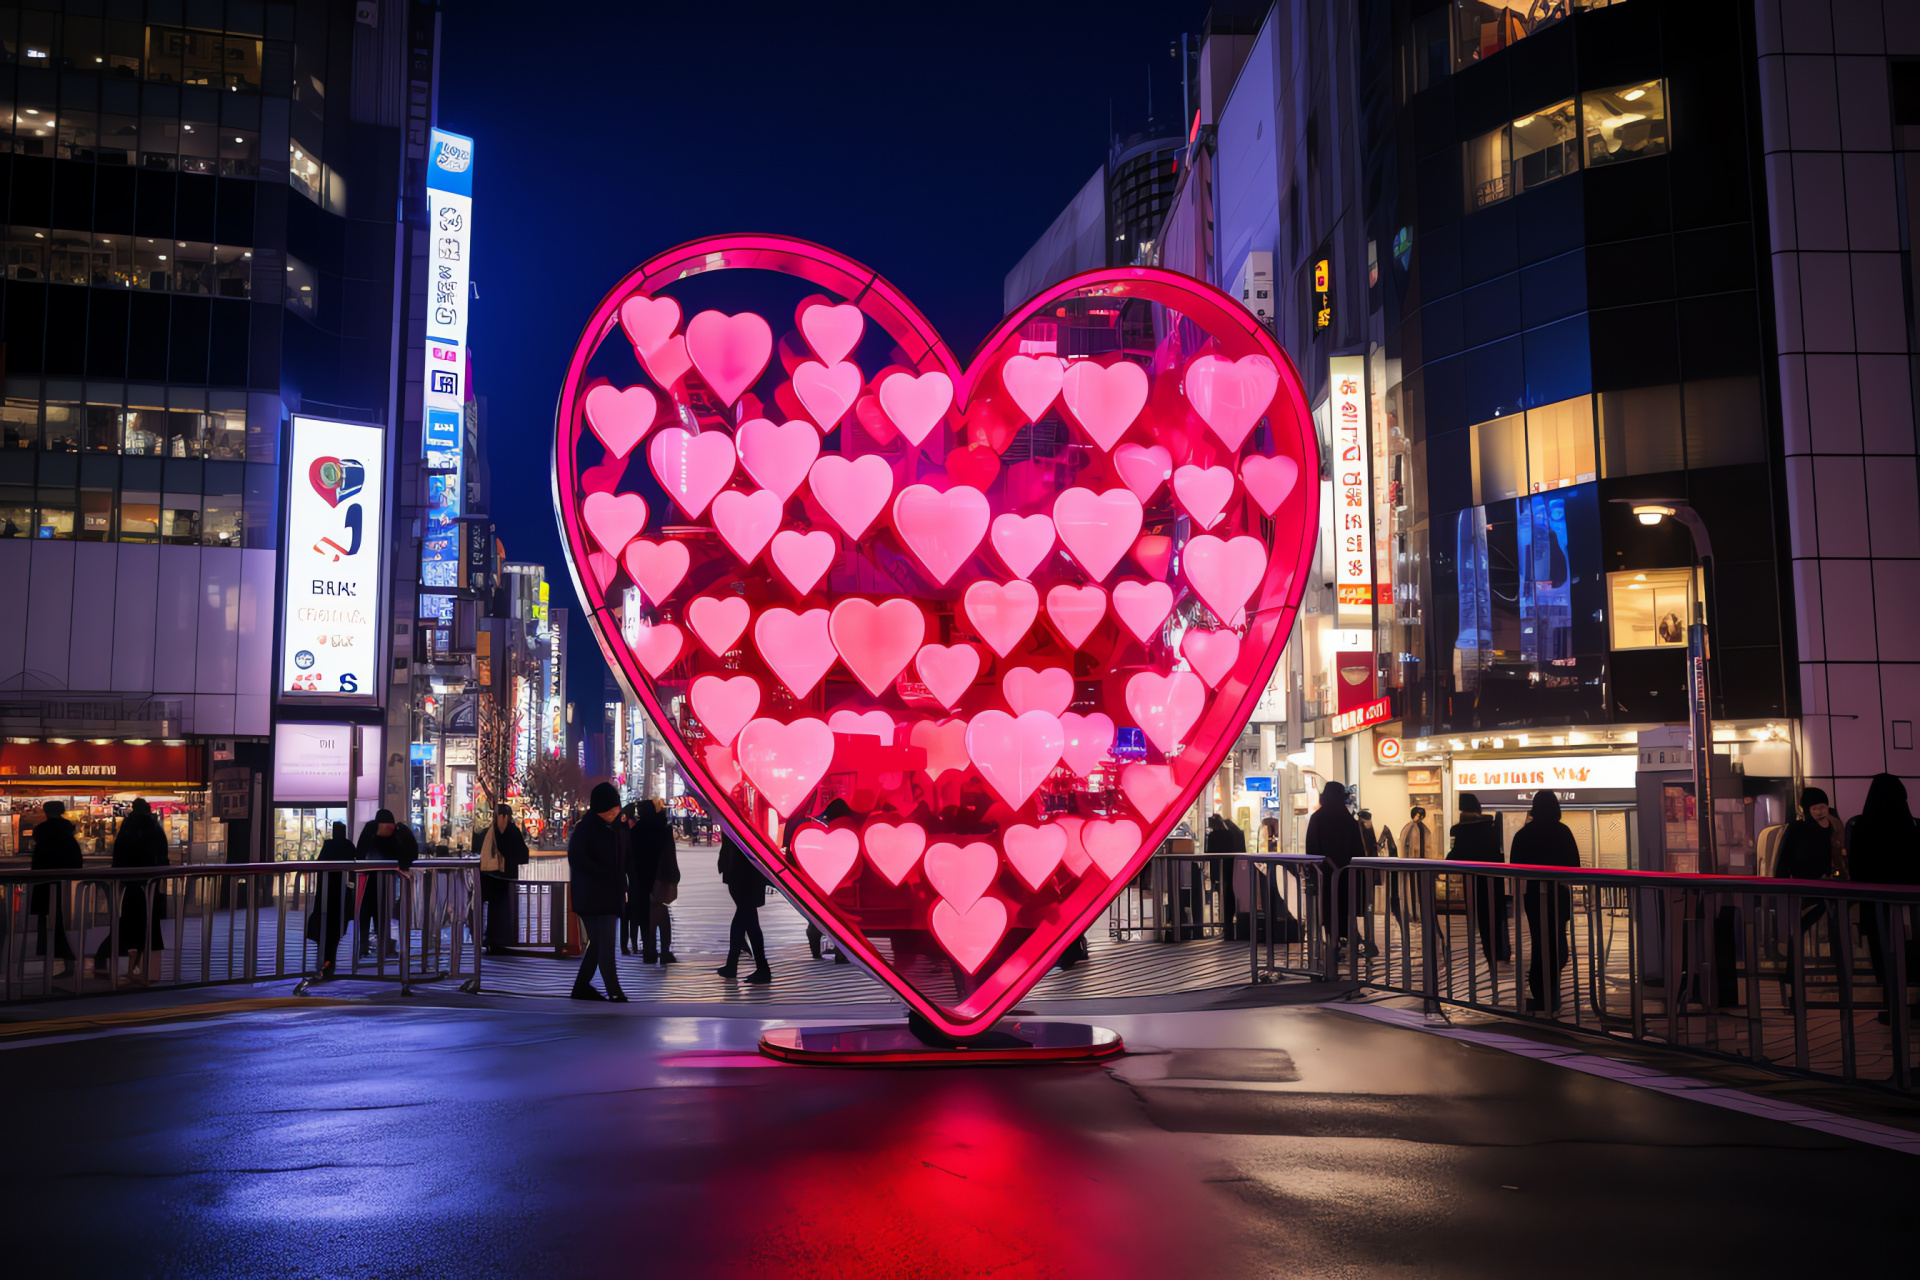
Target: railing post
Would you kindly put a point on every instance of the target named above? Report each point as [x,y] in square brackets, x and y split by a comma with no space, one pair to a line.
[406,933]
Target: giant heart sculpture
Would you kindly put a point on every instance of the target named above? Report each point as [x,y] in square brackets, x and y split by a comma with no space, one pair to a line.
[1019,676]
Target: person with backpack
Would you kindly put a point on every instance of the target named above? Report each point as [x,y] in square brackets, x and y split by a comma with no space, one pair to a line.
[1476,838]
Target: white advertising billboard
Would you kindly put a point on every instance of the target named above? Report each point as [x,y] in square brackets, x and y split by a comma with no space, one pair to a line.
[450,241]
[310,763]
[330,606]
[1352,492]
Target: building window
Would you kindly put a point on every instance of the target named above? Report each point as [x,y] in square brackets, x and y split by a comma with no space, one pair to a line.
[159,142]
[303,286]
[27,253]
[20,419]
[1546,145]
[239,152]
[1650,608]
[1489,169]
[96,515]
[220,527]
[63,426]
[1626,123]
[303,171]
[144,431]
[199,147]
[180,519]
[1560,445]
[202,57]
[139,517]
[1499,459]
[16,512]
[129,262]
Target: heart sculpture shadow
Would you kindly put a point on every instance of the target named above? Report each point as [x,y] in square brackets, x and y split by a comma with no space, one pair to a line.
[1013,614]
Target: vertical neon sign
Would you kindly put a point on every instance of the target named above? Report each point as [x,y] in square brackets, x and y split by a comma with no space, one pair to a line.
[1352,491]
[449,245]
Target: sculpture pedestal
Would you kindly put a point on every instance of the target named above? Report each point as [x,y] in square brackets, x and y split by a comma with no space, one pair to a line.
[1012,1042]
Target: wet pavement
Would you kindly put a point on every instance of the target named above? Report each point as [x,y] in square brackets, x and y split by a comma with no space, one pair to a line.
[376,1140]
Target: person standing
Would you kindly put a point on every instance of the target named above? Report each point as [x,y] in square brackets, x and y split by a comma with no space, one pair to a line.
[1333,834]
[503,851]
[656,938]
[597,868]
[1884,848]
[382,840]
[1415,840]
[1476,839]
[1545,841]
[139,843]
[748,889]
[1811,848]
[54,849]
[327,922]
[639,873]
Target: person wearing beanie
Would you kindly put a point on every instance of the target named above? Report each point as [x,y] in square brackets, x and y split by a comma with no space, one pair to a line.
[1333,834]
[382,840]
[1810,849]
[1476,838]
[597,870]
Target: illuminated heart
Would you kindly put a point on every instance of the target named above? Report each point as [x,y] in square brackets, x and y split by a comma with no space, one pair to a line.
[946,729]
[960,873]
[826,856]
[613,519]
[621,418]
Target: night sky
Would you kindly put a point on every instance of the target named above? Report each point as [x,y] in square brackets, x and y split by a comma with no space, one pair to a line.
[933,143]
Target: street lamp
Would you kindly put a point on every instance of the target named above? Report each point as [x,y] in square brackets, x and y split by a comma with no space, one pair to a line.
[1651,511]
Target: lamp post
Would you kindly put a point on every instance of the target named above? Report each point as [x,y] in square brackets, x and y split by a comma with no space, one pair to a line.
[1651,511]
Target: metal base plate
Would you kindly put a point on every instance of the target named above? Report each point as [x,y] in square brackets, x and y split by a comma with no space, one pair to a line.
[891,1044]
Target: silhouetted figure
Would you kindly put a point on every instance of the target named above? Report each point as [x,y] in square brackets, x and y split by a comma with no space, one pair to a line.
[332,908]
[140,842]
[597,867]
[1884,848]
[382,840]
[54,849]
[1477,839]
[1333,834]
[748,889]
[503,851]
[1545,841]
[837,808]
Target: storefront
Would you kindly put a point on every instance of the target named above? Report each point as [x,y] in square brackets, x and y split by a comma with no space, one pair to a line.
[1596,791]
[311,784]
[98,779]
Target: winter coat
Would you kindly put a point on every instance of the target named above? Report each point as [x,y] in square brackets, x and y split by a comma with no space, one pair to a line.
[399,847]
[54,849]
[139,843]
[509,847]
[1334,834]
[1809,851]
[1883,845]
[745,884]
[1475,839]
[596,866]
[1416,841]
[649,837]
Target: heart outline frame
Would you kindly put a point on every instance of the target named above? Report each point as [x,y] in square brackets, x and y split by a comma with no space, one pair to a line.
[1269,614]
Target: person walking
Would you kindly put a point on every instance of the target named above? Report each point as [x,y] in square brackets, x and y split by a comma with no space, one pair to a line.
[1545,841]
[139,843]
[1476,839]
[1333,834]
[1884,848]
[596,868]
[503,851]
[55,848]
[332,908]
[748,889]
[656,938]
[639,873]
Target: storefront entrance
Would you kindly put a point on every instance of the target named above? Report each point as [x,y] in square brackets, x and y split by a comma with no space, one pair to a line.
[98,781]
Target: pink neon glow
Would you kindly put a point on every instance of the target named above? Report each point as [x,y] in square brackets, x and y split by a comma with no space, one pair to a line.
[969,936]
[1224,574]
[1144,467]
[827,391]
[1035,852]
[942,529]
[670,362]
[649,322]
[803,558]
[948,671]
[915,404]
[656,567]
[1076,611]
[692,469]
[1033,382]
[1075,859]
[1166,707]
[724,706]
[1022,542]
[719,621]
[777,457]
[605,568]
[1142,607]
[796,646]
[1097,528]
[1204,492]
[895,849]
[853,493]
[832,331]
[1105,399]
[1014,755]
[1211,654]
[1231,395]
[826,856]
[960,873]
[1049,690]
[1088,741]
[1269,480]
[747,521]
[729,351]
[1002,612]
[614,519]
[621,418]
[877,641]
[785,761]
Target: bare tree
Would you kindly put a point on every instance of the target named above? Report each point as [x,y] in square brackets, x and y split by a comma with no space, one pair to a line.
[554,788]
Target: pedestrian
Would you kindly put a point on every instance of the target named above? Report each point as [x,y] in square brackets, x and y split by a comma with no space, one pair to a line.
[1415,840]
[139,843]
[503,851]
[837,809]
[656,938]
[1884,848]
[54,849]
[748,889]
[327,921]
[1476,838]
[1811,848]
[382,840]
[639,867]
[596,867]
[1545,841]
[1332,834]
[1269,835]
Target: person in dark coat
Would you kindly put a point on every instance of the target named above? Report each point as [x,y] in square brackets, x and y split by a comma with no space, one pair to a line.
[597,870]
[332,907]
[656,936]
[1884,848]
[1545,841]
[503,851]
[748,889]
[54,849]
[382,840]
[639,859]
[1477,839]
[1811,848]
[1333,834]
[139,843]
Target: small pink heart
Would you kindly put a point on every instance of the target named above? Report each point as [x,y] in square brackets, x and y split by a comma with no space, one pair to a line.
[723,767]
[1014,756]
[614,519]
[657,646]
[796,645]
[1076,611]
[1111,844]
[1033,382]
[863,724]
[785,762]
[826,856]
[692,469]
[1154,553]
[729,351]
[832,331]
[876,641]
[1142,607]
[1269,480]
[960,873]
[1204,492]
[948,671]
[1097,528]
[1144,468]
[656,568]
[747,521]
[894,850]
[725,705]
[827,391]
[649,322]
[1089,741]
[852,492]
[669,363]
[1035,852]
[621,418]
[1049,690]
[1166,707]
[945,743]
[969,936]
[777,457]
[941,529]
[1002,613]
[1022,541]
[719,621]
[1231,395]
[1150,788]
[1105,399]
[916,404]
[803,558]
[1211,653]
[1224,574]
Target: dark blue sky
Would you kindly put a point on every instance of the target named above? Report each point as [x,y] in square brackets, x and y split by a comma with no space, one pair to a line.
[935,143]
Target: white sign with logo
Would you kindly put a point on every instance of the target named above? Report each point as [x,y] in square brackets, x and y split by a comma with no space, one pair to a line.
[1577,778]
[449,247]
[310,763]
[1352,490]
[330,608]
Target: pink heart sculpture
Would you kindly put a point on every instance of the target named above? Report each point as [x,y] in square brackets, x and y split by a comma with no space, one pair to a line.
[621,418]
[894,849]
[730,352]
[1204,492]
[1231,395]
[819,696]
[803,558]
[826,856]
[614,519]
[960,873]
[1105,399]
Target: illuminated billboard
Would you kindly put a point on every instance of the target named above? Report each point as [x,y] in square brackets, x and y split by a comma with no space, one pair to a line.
[330,601]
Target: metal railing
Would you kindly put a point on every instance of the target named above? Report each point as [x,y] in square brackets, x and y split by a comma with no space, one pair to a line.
[1273,901]
[237,922]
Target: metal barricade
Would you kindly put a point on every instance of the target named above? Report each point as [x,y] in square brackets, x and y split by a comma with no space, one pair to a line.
[124,928]
[1272,901]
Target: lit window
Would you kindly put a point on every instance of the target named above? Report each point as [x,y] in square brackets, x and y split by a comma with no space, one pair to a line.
[1499,459]
[1560,447]
[1546,145]
[1489,169]
[1626,123]
[303,286]
[1650,608]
